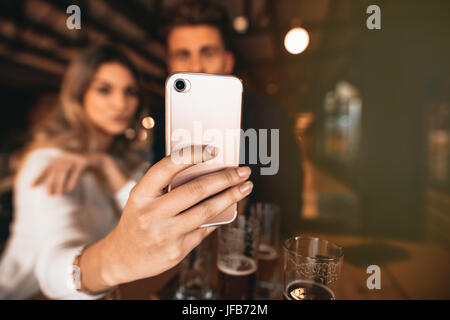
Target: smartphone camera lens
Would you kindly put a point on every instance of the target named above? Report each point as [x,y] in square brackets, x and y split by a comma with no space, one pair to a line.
[180,85]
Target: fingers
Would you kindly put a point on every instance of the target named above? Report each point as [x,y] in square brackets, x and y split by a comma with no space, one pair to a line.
[51,182]
[162,173]
[56,180]
[60,177]
[193,218]
[189,194]
[74,177]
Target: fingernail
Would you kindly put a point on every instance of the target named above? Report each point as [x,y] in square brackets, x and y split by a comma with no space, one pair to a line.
[243,171]
[211,151]
[246,187]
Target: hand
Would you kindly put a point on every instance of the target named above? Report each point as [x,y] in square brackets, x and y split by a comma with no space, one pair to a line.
[63,173]
[157,231]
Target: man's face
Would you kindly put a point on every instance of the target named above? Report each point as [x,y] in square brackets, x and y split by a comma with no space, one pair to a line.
[198,48]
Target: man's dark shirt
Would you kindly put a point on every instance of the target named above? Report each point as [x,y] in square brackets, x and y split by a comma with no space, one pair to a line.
[283,188]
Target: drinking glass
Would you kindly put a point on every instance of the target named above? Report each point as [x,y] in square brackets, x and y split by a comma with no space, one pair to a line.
[267,285]
[311,269]
[237,259]
[195,274]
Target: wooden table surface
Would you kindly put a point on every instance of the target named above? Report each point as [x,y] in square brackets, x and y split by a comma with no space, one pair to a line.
[409,270]
[421,270]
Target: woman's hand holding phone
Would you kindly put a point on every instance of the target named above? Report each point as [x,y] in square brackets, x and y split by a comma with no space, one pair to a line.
[157,230]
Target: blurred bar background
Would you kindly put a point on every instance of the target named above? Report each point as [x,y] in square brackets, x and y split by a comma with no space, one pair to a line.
[370,107]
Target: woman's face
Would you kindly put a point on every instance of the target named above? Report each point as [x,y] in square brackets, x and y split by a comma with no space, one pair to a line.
[112,99]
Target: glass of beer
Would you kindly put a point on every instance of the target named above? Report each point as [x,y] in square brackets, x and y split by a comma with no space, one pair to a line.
[237,258]
[311,269]
[194,278]
[267,285]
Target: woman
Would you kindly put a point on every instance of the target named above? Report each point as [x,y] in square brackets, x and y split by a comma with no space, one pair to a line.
[75,235]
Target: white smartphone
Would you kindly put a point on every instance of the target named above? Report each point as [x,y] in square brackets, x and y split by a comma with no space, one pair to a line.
[204,109]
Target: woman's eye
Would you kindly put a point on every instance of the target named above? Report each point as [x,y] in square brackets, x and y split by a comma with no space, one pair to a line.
[104,90]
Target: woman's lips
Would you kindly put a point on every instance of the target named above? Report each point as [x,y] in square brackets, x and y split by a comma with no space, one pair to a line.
[121,119]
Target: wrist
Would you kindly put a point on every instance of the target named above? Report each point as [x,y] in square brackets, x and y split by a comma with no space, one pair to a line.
[98,160]
[109,266]
[78,278]
[112,172]
[96,275]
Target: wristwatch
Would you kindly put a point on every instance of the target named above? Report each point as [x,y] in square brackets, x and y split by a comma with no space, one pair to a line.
[76,276]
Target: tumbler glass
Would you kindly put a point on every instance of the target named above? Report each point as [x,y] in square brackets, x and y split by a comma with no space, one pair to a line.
[312,269]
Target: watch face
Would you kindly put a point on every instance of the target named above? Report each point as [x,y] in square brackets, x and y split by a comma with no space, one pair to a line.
[74,281]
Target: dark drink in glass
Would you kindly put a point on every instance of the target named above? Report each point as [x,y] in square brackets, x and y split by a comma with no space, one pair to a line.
[237,258]
[267,284]
[307,290]
[312,268]
[237,278]
[267,263]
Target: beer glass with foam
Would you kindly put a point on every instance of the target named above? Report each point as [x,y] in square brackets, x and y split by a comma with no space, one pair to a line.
[267,285]
[195,270]
[237,259]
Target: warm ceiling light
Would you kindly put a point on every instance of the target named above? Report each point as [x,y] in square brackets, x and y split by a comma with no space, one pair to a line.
[240,24]
[296,40]
[148,122]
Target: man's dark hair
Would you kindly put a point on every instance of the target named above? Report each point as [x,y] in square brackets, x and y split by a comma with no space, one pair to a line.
[197,12]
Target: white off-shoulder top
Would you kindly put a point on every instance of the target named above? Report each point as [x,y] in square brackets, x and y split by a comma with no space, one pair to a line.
[48,231]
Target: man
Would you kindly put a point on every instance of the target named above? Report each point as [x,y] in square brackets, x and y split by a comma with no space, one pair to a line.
[197,40]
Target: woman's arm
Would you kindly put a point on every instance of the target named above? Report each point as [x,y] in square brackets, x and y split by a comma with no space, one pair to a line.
[62,174]
[52,228]
[154,233]
[107,166]
[121,186]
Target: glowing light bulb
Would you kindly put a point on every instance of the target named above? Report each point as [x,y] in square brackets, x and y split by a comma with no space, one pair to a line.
[240,24]
[296,40]
[148,122]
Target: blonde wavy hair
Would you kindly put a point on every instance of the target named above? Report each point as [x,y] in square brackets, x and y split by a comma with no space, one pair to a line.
[68,128]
